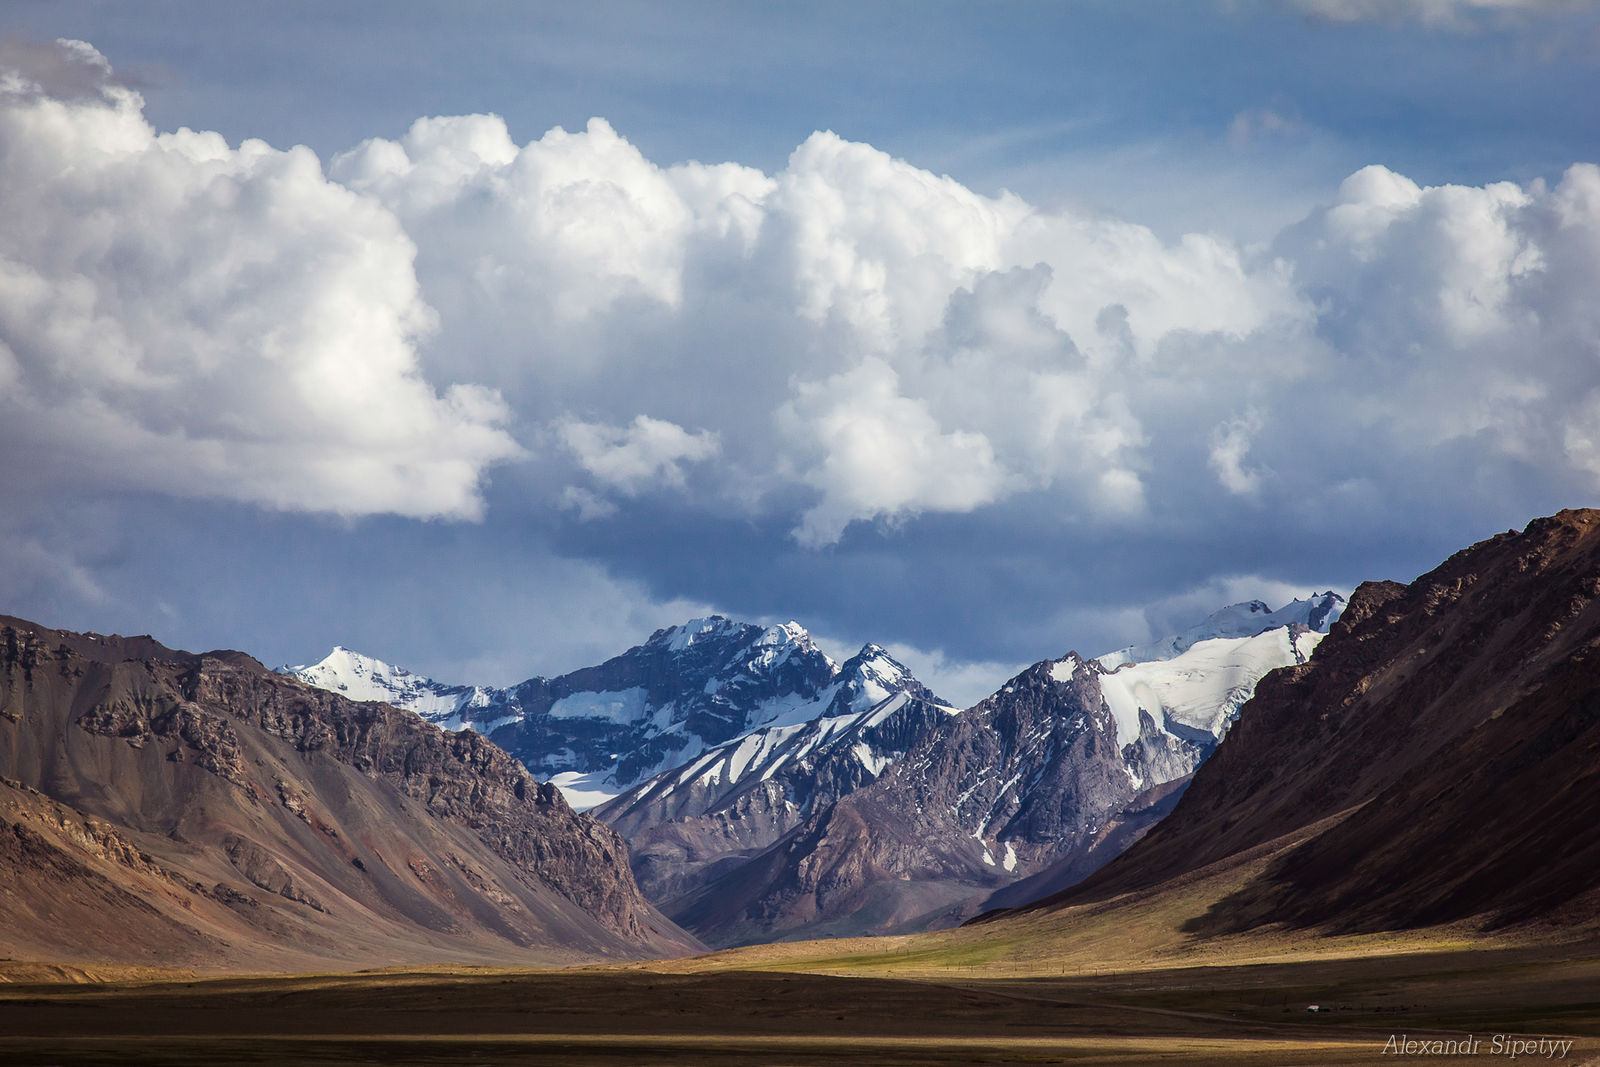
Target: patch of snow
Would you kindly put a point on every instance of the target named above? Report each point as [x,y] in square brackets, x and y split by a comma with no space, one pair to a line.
[482,726]
[622,706]
[1306,642]
[791,709]
[1010,862]
[881,715]
[585,791]
[741,755]
[873,762]
[681,637]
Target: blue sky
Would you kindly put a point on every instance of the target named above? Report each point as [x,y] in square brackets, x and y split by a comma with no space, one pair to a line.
[978,330]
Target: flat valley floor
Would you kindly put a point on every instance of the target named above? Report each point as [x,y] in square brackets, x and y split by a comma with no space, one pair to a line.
[672,1013]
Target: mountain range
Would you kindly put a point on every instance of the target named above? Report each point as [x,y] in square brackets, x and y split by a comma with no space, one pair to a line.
[1027,791]
[732,757]
[1430,760]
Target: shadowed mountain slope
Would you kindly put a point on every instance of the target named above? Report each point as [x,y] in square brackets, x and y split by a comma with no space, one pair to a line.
[160,807]
[1447,735]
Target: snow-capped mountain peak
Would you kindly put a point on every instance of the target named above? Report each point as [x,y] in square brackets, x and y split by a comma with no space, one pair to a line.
[1247,619]
[682,636]
[361,677]
[597,731]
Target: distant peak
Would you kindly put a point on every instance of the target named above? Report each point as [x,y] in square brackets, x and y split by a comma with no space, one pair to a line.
[1245,619]
[677,638]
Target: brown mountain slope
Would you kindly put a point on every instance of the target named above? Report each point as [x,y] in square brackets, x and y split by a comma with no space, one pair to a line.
[1449,731]
[159,807]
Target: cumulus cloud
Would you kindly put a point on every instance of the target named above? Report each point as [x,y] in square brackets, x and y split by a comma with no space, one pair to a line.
[1461,314]
[850,339]
[852,325]
[884,454]
[630,459]
[183,316]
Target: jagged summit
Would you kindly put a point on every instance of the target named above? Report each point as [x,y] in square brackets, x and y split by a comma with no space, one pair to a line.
[721,630]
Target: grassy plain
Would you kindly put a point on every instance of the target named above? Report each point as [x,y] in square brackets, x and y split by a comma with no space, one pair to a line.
[1114,983]
[1204,1013]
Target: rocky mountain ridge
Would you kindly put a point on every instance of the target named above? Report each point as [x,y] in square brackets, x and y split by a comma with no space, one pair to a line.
[194,809]
[1031,789]
[689,822]
[598,731]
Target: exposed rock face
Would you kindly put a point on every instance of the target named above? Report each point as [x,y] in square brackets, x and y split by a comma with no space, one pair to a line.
[1038,784]
[1441,750]
[242,809]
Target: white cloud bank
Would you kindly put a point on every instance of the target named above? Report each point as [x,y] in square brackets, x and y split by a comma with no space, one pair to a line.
[179,315]
[851,339]
[883,336]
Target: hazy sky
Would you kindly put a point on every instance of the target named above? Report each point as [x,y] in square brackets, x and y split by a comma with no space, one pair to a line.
[489,337]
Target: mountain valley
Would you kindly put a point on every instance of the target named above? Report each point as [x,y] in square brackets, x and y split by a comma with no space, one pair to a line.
[1177,846]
